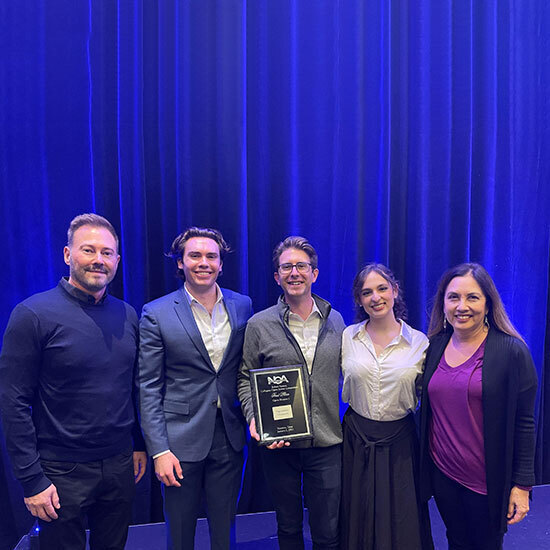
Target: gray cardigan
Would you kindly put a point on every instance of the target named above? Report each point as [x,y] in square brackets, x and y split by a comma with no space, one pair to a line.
[268,342]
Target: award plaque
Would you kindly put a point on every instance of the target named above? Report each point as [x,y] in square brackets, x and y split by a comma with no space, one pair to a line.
[281,408]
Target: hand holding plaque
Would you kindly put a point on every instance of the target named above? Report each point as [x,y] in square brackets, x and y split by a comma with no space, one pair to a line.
[281,408]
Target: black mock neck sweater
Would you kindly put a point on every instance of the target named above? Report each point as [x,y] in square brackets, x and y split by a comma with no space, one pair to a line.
[66,381]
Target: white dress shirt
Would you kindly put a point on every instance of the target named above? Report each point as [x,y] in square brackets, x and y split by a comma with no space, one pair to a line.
[306,332]
[215,330]
[382,387]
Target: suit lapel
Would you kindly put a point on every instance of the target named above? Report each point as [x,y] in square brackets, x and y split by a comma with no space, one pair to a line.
[185,315]
[232,314]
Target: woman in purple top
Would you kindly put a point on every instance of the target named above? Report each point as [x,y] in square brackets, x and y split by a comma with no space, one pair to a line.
[477,422]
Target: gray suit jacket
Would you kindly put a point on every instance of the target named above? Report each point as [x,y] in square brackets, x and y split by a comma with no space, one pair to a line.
[179,386]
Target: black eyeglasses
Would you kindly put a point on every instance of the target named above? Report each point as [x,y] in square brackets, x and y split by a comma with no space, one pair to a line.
[301,267]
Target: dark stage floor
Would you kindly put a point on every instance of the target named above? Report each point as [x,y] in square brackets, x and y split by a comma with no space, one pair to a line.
[258,531]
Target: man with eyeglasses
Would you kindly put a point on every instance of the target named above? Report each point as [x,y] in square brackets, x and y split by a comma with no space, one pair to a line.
[301,328]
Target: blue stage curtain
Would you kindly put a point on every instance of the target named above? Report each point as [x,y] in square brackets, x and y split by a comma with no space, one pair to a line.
[411,133]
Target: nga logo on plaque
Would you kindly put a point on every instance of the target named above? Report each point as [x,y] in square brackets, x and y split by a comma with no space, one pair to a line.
[275,379]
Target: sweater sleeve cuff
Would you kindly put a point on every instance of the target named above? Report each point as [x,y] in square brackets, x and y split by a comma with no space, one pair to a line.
[524,487]
[35,485]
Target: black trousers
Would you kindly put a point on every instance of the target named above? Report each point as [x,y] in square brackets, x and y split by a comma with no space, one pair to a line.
[320,468]
[219,476]
[465,514]
[103,491]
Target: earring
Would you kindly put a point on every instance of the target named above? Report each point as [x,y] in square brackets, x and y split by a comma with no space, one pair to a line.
[486,321]
[444,323]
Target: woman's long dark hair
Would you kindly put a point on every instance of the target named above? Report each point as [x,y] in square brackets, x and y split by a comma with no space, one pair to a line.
[496,313]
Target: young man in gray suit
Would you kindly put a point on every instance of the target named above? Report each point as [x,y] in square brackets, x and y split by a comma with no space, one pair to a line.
[190,350]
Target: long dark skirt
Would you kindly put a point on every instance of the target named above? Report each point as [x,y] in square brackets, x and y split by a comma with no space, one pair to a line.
[380,505]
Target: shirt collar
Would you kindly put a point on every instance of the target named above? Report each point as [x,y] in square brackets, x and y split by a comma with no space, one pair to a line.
[192,299]
[405,332]
[80,295]
[357,328]
[314,309]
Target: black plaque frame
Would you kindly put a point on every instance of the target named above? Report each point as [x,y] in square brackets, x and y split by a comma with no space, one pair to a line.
[281,408]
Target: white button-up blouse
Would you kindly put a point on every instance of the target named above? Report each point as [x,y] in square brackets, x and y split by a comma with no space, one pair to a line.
[382,387]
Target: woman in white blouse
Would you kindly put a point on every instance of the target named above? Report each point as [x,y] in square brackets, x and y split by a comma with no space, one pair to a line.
[382,360]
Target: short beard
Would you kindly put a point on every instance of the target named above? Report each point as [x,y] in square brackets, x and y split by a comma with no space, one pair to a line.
[76,275]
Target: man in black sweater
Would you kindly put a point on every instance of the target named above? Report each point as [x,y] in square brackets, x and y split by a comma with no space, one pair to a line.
[66,386]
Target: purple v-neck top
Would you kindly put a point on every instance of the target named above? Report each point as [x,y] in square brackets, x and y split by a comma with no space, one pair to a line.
[456,427]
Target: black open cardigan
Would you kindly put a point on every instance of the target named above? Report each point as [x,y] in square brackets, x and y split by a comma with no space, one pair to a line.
[509,386]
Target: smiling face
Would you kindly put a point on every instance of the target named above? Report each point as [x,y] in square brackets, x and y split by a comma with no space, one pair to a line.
[92,259]
[295,285]
[465,305]
[201,263]
[377,296]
